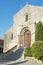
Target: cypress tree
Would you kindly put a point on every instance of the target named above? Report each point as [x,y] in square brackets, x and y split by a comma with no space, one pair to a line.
[39,31]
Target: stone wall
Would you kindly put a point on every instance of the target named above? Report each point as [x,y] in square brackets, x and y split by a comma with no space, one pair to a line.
[35,14]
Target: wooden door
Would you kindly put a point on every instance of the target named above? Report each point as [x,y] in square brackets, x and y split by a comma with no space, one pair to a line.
[27,39]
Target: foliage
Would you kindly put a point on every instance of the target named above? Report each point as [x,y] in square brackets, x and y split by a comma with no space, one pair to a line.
[37,50]
[28,52]
[39,31]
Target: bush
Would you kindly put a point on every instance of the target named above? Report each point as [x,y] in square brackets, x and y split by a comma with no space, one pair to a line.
[37,50]
[27,52]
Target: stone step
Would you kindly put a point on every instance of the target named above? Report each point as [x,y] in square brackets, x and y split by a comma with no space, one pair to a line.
[14,55]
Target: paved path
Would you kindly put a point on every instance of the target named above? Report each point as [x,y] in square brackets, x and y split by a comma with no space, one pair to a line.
[21,62]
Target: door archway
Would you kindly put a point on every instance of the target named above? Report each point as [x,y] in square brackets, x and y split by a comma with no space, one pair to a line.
[25,37]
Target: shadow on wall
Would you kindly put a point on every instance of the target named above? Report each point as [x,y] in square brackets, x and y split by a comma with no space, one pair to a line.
[11,49]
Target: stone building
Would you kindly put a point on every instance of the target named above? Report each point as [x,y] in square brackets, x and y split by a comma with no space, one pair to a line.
[23,30]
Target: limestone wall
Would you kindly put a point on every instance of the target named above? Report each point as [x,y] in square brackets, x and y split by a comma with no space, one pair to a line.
[8,42]
[35,14]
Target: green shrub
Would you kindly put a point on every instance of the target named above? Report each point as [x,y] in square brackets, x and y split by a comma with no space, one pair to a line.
[28,52]
[37,50]
[39,31]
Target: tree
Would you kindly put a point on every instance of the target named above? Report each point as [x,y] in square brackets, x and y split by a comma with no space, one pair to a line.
[39,31]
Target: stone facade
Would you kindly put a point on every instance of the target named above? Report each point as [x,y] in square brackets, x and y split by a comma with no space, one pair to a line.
[23,29]
[8,40]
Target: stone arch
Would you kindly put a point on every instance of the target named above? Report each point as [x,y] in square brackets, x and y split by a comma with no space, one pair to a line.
[25,37]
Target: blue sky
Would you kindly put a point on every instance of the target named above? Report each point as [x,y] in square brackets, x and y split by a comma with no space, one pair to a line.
[8,8]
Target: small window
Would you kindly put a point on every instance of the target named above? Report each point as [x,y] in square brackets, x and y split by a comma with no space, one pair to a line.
[26,17]
[12,37]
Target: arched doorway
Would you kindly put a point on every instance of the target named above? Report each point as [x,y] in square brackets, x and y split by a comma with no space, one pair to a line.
[25,37]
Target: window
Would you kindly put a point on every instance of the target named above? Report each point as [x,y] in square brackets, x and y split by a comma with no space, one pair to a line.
[26,17]
[11,36]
